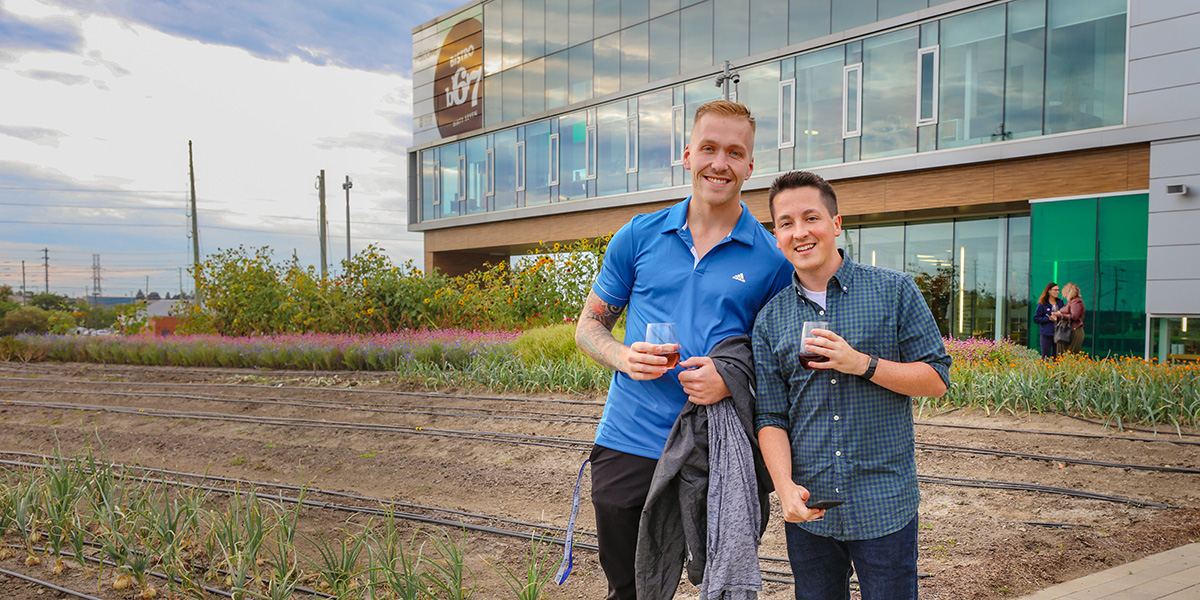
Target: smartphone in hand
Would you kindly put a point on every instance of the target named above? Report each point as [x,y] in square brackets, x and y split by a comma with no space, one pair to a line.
[822,504]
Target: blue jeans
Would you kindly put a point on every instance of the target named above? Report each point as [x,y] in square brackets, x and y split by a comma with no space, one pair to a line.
[886,566]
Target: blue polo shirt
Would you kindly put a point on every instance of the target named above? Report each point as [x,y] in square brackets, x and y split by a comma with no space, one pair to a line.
[651,270]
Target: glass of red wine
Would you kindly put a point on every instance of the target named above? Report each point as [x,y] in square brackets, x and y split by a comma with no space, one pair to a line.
[662,334]
[807,357]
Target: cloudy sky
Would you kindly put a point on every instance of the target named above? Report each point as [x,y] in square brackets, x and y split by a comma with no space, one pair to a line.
[99,98]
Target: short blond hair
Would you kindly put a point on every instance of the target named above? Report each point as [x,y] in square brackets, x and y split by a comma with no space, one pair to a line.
[724,108]
[1070,291]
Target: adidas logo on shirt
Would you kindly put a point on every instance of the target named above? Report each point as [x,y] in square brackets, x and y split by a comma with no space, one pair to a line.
[740,277]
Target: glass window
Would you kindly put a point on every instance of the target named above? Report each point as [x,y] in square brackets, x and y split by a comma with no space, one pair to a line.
[1065,255]
[1174,339]
[513,84]
[852,101]
[610,149]
[759,91]
[979,259]
[607,69]
[768,24]
[1024,76]
[634,12]
[513,33]
[580,75]
[787,113]
[659,8]
[631,144]
[696,37]
[535,29]
[895,8]
[535,86]
[678,140]
[476,175]
[557,14]
[882,246]
[819,107]
[927,85]
[696,94]
[520,171]
[552,160]
[971,106]
[448,186]
[734,41]
[580,27]
[573,144]
[929,257]
[429,197]
[889,95]
[808,20]
[1018,281]
[493,97]
[606,17]
[1118,310]
[655,122]
[635,57]
[556,81]
[664,47]
[848,14]
[504,174]
[1085,64]
[493,38]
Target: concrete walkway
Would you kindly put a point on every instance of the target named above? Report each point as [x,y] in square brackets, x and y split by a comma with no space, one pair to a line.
[1172,575]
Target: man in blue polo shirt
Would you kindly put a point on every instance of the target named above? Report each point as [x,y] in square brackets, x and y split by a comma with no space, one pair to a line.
[841,428]
[704,264]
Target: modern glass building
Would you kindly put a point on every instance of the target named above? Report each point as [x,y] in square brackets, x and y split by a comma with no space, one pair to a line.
[986,147]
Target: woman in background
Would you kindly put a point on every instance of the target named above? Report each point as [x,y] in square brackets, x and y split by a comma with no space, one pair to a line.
[1074,312]
[1048,304]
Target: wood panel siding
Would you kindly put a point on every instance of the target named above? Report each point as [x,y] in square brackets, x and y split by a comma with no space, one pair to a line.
[984,188]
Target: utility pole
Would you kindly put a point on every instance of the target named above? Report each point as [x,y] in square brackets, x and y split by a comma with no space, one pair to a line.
[95,279]
[46,267]
[346,186]
[321,225]
[147,286]
[195,229]
[23,301]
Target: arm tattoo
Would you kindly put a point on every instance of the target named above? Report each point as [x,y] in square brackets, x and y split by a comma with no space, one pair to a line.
[594,332]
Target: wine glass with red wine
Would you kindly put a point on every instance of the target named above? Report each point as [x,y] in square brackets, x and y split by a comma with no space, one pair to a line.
[807,357]
[661,334]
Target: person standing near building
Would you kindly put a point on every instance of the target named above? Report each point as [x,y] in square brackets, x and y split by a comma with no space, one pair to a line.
[1073,312]
[842,429]
[705,264]
[1048,304]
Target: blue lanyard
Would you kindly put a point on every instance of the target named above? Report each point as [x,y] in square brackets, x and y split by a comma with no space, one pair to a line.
[564,567]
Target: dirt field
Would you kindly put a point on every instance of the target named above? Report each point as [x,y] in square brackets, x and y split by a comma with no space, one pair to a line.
[976,543]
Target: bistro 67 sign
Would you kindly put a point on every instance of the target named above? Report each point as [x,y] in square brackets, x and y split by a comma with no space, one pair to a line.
[458,80]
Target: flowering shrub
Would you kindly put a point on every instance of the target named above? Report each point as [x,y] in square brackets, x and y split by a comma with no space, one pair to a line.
[246,293]
[977,350]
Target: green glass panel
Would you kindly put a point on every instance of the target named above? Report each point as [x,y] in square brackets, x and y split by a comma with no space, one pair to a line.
[1117,315]
[1063,250]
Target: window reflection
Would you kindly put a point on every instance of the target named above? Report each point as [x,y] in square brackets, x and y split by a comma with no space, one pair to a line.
[971,102]
[505,165]
[733,41]
[930,260]
[572,173]
[476,175]
[980,250]
[759,91]
[607,65]
[610,148]
[1018,280]
[448,186]
[537,163]
[819,108]
[882,246]
[696,36]
[1026,68]
[1085,64]
[635,57]
[654,133]
[889,112]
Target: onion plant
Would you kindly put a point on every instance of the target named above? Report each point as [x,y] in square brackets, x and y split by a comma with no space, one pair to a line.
[400,569]
[539,568]
[339,561]
[449,572]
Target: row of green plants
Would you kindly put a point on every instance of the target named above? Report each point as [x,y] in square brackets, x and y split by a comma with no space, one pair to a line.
[142,536]
[986,374]
[247,292]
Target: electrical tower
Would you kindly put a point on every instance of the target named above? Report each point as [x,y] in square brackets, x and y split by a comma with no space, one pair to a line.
[96,279]
[46,267]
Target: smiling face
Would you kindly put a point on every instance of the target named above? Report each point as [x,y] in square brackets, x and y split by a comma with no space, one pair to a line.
[1053,294]
[807,235]
[720,158]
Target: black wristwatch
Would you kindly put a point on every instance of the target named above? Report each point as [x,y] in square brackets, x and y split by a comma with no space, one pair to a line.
[870,372]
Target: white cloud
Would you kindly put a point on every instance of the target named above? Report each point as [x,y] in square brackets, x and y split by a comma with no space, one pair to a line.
[261,131]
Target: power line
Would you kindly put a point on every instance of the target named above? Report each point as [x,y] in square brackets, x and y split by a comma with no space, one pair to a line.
[90,190]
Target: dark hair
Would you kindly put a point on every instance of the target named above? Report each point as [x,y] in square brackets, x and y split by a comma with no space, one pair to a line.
[802,179]
[1045,297]
[724,108]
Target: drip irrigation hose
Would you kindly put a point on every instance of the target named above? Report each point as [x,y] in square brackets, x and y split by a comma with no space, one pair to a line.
[1090,436]
[1078,461]
[48,585]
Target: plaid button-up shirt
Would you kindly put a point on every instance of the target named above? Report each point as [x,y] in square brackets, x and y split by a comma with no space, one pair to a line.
[851,439]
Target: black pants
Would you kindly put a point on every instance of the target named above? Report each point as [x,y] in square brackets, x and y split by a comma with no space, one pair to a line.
[1049,348]
[620,482]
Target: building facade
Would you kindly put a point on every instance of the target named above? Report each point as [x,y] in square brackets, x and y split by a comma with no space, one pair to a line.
[987,147]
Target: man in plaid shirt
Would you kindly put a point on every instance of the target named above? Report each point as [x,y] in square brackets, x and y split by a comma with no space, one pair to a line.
[842,429]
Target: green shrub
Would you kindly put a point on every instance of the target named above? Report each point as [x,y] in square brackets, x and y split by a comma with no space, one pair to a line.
[27,319]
